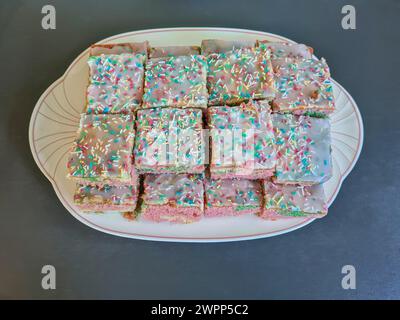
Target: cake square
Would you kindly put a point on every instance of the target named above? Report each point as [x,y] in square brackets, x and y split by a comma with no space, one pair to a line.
[232,197]
[176,81]
[303,149]
[286,201]
[304,87]
[102,150]
[116,78]
[177,198]
[282,52]
[169,140]
[239,75]
[167,51]
[106,198]
[242,141]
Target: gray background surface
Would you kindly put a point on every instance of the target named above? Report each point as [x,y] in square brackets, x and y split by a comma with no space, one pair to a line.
[362,228]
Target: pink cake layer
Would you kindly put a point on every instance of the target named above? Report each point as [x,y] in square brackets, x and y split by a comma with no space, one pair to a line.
[255,175]
[274,215]
[99,208]
[227,211]
[171,214]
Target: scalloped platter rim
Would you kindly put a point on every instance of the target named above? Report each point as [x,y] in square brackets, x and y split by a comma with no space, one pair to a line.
[55,120]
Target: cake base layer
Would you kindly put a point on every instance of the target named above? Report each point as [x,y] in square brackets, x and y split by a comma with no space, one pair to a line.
[166,213]
[228,211]
[272,214]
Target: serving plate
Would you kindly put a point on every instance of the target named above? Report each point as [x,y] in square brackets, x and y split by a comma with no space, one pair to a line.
[55,120]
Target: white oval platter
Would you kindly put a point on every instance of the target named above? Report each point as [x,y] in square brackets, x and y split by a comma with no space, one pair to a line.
[55,120]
